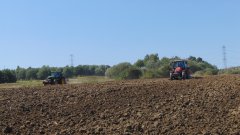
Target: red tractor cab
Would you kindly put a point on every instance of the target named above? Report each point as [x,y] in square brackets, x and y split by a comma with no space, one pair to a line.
[179,70]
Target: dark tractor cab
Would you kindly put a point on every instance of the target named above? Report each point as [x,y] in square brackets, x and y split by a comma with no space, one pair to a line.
[179,70]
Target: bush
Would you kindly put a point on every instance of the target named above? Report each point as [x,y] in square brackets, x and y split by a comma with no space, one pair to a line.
[123,71]
[164,71]
[133,73]
[198,73]
[211,71]
[233,70]
[206,72]
[115,71]
[150,73]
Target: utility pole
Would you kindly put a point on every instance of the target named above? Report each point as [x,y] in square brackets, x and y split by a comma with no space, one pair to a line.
[71,60]
[224,57]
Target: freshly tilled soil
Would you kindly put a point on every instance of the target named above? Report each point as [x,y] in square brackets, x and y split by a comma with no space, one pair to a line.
[205,106]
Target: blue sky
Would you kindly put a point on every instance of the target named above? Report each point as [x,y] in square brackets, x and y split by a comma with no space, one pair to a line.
[45,32]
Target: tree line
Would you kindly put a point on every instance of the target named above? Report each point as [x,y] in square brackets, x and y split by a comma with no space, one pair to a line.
[68,71]
[7,76]
[151,66]
[154,67]
[11,76]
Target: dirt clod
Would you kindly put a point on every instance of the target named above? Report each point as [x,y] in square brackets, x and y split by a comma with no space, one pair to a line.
[8,130]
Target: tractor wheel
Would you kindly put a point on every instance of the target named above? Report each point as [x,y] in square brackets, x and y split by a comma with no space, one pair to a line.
[55,82]
[187,76]
[171,76]
[183,75]
[63,81]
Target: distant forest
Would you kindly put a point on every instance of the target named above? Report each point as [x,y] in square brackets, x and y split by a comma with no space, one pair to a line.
[151,66]
[10,76]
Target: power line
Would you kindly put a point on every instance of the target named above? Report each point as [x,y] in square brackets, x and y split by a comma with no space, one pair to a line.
[232,51]
[224,57]
[71,60]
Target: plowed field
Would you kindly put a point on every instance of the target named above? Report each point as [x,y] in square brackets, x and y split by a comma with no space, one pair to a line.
[207,106]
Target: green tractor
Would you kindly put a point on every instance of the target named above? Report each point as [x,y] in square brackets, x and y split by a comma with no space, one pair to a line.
[55,78]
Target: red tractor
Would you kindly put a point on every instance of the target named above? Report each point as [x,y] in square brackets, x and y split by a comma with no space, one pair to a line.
[179,70]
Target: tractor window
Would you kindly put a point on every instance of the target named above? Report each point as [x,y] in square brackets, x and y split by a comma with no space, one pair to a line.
[179,64]
[56,74]
[175,65]
[50,77]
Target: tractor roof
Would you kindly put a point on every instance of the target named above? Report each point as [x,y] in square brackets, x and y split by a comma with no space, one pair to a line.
[179,60]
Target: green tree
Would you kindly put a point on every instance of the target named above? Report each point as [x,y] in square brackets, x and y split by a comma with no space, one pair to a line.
[86,70]
[192,58]
[68,71]
[139,63]
[165,61]
[91,69]
[1,77]
[152,57]
[31,74]
[43,72]
[152,64]
[100,70]
[79,70]
[199,59]
[8,76]
[20,73]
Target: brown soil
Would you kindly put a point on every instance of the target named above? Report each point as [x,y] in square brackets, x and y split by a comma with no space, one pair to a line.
[207,106]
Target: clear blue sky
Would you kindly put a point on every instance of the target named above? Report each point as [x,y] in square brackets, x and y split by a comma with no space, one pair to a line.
[45,32]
